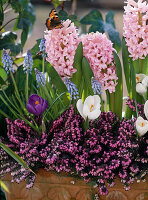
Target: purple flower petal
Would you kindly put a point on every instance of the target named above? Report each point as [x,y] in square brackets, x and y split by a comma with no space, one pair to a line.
[38,109]
[45,105]
[31,109]
[36,105]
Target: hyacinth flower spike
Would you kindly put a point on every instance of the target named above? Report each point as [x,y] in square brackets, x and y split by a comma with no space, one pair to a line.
[90,108]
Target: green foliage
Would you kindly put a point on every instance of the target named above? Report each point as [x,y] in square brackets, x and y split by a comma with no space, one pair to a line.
[24,21]
[7,41]
[63,15]
[118,98]
[95,19]
[87,74]
[77,77]
[126,66]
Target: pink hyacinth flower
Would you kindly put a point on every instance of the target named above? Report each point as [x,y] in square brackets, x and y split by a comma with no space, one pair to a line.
[136,28]
[98,50]
[61,45]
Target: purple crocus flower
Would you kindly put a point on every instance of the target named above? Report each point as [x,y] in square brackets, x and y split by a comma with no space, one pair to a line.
[36,105]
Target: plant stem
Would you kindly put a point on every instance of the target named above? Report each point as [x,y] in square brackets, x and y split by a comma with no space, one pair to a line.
[112,98]
[141,65]
[26,89]
[7,23]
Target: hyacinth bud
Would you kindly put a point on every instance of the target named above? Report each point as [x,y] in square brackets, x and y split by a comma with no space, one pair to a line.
[7,62]
[40,78]
[72,88]
[43,47]
[28,63]
[95,86]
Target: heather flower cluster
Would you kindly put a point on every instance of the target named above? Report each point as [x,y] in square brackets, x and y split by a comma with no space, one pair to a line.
[61,45]
[140,107]
[27,144]
[108,148]
[136,28]
[98,50]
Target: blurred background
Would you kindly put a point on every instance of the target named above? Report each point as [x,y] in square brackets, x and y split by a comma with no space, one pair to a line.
[77,7]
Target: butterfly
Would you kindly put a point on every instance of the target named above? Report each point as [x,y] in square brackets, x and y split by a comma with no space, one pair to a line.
[53,22]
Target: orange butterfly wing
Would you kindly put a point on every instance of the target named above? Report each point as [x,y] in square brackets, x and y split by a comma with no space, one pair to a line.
[53,21]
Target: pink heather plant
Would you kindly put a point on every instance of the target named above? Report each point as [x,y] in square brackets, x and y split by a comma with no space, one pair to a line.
[98,50]
[61,45]
[136,28]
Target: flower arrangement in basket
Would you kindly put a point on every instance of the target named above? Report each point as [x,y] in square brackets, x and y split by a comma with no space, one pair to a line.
[51,104]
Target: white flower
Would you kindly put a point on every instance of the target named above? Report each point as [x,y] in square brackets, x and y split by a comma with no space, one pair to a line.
[145,81]
[146,109]
[141,89]
[140,77]
[141,126]
[90,108]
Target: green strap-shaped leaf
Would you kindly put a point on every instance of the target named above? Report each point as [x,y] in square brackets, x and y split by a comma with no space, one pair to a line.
[133,82]
[2,184]
[87,74]
[57,81]
[126,67]
[15,156]
[118,97]
[77,77]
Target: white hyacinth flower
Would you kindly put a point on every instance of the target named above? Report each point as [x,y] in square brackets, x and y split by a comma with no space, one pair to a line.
[141,126]
[90,108]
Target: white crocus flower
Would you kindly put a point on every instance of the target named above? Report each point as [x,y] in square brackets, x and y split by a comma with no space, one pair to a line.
[141,126]
[141,89]
[140,77]
[145,81]
[90,108]
[146,109]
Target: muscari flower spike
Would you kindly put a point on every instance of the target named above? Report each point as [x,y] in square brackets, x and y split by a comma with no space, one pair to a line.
[43,47]
[28,63]
[95,86]
[72,88]
[7,62]
[40,78]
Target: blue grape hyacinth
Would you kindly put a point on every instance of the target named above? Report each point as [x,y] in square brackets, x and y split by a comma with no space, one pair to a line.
[95,86]
[7,62]
[40,78]
[43,47]
[72,88]
[28,63]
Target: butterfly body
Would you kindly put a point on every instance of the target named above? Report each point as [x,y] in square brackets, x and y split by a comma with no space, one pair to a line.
[53,22]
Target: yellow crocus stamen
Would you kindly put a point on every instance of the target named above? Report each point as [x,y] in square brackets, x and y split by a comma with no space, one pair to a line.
[138,79]
[142,124]
[91,107]
[37,102]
